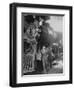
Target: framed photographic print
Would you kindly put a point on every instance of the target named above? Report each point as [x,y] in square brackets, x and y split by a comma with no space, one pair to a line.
[40,44]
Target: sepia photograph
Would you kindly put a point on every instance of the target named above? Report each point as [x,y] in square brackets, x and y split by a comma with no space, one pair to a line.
[42,44]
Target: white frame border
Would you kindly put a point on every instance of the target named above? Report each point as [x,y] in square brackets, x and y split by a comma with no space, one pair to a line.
[43,78]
